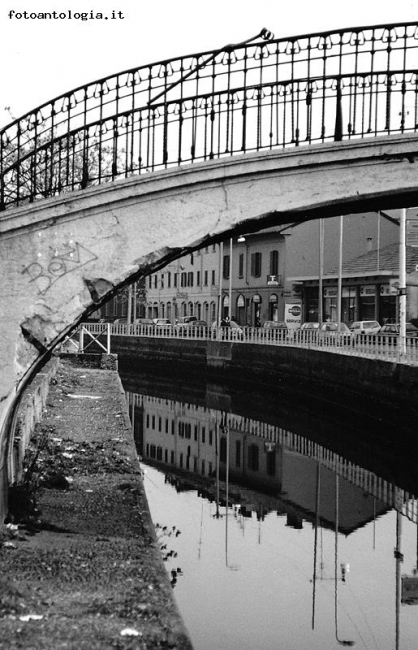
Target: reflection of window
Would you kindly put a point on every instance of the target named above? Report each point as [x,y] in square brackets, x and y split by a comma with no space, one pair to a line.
[271,463]
[253,457]
[238,453]
[256,265]
[222,450]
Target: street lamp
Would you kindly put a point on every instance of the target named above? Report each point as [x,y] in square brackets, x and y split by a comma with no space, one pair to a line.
[402,284]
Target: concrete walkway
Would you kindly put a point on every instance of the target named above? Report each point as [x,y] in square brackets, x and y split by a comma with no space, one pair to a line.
[84,571]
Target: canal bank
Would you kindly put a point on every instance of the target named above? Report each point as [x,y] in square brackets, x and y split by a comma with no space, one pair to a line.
[387,387]
[81,566]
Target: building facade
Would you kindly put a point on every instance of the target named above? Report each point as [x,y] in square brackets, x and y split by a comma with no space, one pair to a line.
[276,272]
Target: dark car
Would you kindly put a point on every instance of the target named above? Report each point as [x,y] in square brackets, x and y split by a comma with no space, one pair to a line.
[389,333]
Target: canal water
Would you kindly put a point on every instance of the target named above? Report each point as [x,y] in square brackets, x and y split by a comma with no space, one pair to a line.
[294,531]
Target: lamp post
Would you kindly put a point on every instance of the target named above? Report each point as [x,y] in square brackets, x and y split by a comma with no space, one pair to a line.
[321,273]
[402,284]
[230,280]
[340,274]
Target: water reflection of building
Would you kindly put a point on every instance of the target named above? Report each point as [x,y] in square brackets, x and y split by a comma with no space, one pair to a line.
[270,468]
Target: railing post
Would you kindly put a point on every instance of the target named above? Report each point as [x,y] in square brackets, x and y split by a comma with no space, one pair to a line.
[338,133]
[109,326]
[81,339]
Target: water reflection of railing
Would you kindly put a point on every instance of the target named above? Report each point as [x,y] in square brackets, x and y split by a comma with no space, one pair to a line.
[384,491]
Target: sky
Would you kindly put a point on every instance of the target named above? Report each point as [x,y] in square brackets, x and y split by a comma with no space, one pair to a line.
[41,59]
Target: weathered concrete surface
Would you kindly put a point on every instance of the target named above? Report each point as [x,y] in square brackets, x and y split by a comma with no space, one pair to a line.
[60,258]
[93,567]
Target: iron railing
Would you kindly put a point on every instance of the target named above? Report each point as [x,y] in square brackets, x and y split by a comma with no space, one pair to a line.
[258,95]
[385,348]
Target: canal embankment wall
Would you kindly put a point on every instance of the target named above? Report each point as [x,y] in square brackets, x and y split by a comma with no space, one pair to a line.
[315,369]
[81,563]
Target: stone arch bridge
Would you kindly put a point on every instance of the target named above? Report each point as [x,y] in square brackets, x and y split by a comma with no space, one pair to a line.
[112,180]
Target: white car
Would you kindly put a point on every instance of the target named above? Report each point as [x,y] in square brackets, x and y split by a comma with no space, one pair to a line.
[364,327]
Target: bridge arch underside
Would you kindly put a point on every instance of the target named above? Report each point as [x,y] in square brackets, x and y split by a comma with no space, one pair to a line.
[62,258]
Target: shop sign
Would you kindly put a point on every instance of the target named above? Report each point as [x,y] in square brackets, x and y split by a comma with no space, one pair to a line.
[390,289]
[272,280]
[412,232]
[367,290]
[293,315]
[332,292]
[409,590]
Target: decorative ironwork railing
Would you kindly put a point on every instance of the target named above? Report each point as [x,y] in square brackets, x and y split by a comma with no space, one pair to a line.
[258,95]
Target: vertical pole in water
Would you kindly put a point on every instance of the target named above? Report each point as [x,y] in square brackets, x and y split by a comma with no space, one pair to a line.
[398,556]
[226,490]
[318,484]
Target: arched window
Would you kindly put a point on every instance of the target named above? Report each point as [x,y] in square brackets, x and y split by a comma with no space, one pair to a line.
[206,312]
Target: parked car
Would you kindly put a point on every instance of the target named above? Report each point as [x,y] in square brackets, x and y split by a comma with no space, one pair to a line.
[144,321]
[328,332]
[162,325]
[275,324]
[388,333]
[184,320]
[192,328]
[230,331]
[273,330]
[364,327]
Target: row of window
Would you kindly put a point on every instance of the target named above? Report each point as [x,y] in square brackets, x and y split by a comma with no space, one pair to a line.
[187,278]
[256,264]
[184,279]
[184,429]
[253,458]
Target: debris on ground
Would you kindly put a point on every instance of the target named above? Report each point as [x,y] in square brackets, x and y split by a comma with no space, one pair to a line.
[81,562]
